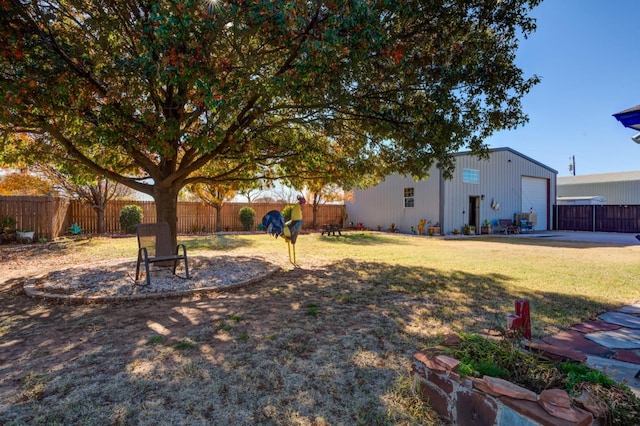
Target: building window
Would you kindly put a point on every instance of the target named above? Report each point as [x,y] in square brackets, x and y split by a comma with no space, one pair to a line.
[408,197]
[470,176]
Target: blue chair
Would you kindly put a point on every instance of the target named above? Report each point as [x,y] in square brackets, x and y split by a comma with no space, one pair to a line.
[525,225]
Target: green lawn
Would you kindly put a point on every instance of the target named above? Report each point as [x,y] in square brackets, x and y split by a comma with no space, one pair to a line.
[565,282]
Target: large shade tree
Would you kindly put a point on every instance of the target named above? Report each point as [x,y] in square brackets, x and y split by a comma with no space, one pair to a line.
[149,92]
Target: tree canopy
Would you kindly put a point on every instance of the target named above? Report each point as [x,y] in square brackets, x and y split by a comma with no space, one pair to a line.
[149,93]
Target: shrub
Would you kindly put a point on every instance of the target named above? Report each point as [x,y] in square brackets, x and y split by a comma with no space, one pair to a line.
[130,216]
[8,223]
[286,213]
[247,217]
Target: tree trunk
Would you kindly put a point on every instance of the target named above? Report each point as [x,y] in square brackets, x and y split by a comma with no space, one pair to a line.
[314,225]
[100,211]
[167,210]
[218,218]
[316,204]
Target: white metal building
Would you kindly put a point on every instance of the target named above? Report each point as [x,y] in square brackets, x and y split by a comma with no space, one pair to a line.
[620,188]
[500,187]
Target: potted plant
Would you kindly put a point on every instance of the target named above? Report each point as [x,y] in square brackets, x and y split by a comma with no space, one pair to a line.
[486,227]
[7,229]
[8,224]
[434,229]
[25,235]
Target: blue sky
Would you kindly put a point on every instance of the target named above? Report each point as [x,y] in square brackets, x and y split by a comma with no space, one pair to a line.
[587,53]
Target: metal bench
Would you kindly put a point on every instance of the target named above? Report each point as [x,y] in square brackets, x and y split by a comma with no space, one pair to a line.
[506,226]
[155,245]
[331,229]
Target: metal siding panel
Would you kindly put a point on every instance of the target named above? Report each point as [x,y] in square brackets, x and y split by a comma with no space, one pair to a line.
[616,193]
[383,204]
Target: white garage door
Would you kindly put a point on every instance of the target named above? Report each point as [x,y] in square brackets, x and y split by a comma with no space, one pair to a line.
[534,196]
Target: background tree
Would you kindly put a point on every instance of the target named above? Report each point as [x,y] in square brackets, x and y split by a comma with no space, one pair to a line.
[149,92]
[214,195]
[252,194]
[317,195]
[94,191]
[285,193]
[24,183]
[326,177]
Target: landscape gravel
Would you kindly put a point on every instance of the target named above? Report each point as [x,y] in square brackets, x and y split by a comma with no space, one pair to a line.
[115,279]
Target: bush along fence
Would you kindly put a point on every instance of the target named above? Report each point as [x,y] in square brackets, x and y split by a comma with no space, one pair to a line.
[51,217]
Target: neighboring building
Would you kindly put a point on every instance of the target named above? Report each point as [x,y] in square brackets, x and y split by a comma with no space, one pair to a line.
[621,188]
[592,200]
[506,184]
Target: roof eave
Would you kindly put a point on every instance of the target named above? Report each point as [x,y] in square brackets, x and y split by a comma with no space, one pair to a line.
[629,117]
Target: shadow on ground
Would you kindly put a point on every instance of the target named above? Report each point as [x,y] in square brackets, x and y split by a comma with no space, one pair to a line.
[330,344]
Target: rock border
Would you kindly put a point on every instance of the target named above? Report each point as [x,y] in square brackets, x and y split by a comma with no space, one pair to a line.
[491,401]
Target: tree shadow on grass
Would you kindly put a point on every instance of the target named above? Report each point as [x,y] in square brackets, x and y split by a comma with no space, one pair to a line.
[327,344]
[217,242]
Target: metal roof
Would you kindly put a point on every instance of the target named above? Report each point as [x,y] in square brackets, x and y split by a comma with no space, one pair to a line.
[514,152]
[599,178]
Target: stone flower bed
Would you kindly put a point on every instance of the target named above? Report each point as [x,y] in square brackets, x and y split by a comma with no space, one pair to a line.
[490,400]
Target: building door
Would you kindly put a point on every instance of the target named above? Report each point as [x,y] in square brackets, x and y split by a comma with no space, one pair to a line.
[474,211]
[535,198]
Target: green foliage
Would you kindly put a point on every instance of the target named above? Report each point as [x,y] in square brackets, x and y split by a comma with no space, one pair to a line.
[312,309]
[286,212]
[8,223]
[182,92]
[156,339]
[479,356]
[183,345]
[578,373]
[130,216]
[247,218]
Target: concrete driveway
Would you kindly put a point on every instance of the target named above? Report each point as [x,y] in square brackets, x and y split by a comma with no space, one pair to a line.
[594,237]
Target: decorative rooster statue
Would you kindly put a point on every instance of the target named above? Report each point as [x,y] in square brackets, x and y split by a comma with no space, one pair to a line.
[274,224]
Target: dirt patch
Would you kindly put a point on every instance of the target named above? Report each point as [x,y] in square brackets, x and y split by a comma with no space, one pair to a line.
[311,345]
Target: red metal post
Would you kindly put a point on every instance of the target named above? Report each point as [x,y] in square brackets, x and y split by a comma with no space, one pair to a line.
[514,322]
[523,311]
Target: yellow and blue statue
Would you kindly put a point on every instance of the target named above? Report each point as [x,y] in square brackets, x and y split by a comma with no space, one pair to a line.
[274,224]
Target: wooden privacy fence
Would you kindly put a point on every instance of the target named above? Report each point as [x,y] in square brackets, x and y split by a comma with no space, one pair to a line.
[598,218]
[50,217]
[46,216]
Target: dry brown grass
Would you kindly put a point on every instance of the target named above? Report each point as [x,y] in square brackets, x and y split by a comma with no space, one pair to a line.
[327,343]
